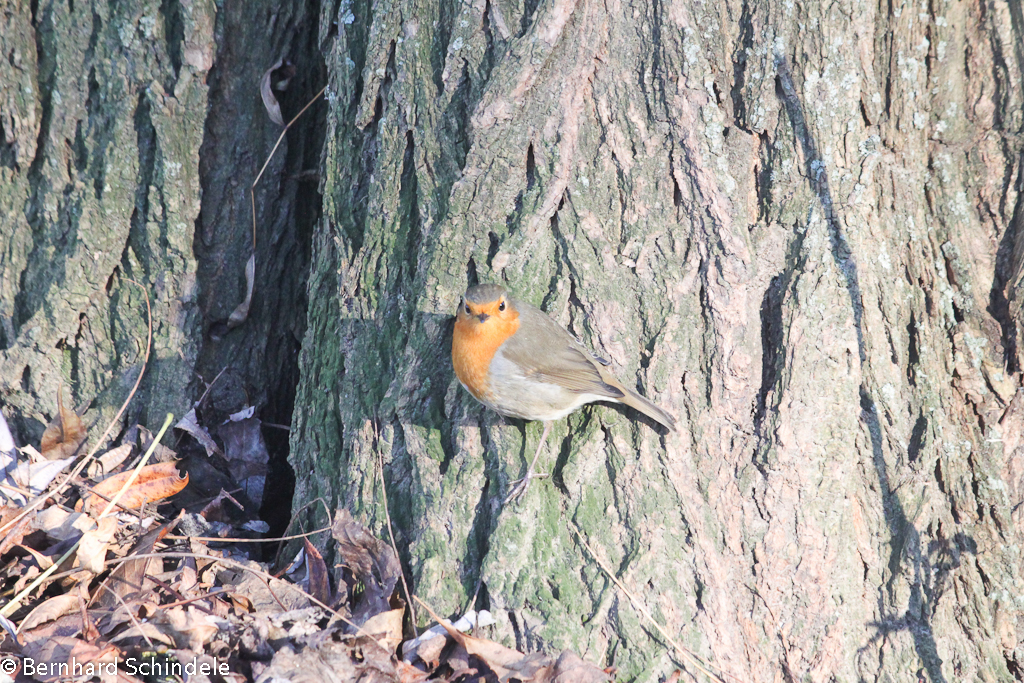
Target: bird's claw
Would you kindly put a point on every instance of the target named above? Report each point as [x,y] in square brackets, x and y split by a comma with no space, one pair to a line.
[520,486]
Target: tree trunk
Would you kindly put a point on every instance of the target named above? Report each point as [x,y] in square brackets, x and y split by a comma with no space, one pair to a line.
[796,226]
[102,110]
[131,134]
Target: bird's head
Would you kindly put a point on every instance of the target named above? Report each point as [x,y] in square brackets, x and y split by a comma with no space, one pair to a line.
[485,305]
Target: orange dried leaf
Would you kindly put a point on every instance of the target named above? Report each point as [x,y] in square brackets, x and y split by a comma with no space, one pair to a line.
[64,435]
[155,482]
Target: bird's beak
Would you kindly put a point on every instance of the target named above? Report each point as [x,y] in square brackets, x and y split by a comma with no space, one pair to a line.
[483,317]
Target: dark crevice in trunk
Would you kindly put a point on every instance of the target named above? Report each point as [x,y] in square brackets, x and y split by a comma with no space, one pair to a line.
[529,8]
[145,136]
[763,183]
[33,279]
[8,152]
[773,346]
[446,13]
[262,354]
[1007,266]
[772,349]
[410,209]
[739,66]
[174,34]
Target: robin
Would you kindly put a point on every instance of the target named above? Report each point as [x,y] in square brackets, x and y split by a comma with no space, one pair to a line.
[517,361]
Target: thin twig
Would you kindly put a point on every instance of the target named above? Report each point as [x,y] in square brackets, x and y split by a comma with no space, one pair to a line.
[216,539]
[212,594]
[178,594]
[252,188]
[295,518]
[208,386]
[132,617]
[680,650]
[88,458]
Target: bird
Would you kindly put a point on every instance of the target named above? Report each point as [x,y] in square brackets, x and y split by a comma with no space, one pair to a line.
[516,360]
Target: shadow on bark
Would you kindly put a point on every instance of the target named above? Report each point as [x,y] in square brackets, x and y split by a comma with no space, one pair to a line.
[902,533]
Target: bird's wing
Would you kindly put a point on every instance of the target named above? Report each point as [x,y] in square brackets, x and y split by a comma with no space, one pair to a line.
[545,351]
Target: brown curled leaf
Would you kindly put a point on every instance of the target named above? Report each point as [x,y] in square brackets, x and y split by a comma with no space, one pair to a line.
[319,585]
[267,93]
[64,435]
[241,312]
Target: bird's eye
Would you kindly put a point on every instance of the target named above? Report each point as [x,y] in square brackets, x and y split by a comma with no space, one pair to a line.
[501,306]
[467,309]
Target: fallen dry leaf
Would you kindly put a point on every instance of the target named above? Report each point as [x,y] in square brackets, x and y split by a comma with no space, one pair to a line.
[140,630]
[109,461]
[155,482]
[54,608]
[247,455]
[129,576]
[267,93]
[386,627]
[317,584]
[85,653]
[161,453]
[428,651]
[49,653]
[407,673]
[92,550]
[354,659]
[241,311]
[7,444]
[64,434]
[569,668]
[17,532]
[246,587]
[65,626]
[505,662]
[188,626]
[43,560]
[32,477]
[190,424]
[372,561]
[58,523]
[25,572]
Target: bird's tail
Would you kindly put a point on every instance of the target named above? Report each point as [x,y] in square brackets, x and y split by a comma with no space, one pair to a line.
[635,400]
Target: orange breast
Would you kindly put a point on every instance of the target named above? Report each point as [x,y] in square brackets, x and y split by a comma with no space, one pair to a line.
[473,346]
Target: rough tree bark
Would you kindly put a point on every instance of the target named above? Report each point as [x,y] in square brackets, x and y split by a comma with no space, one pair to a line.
[129,136]
[102,109]
[797,226]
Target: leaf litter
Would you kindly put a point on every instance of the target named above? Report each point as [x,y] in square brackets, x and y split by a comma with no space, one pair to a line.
[136,594]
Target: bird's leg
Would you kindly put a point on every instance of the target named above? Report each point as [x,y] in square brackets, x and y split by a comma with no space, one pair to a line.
[524,483]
